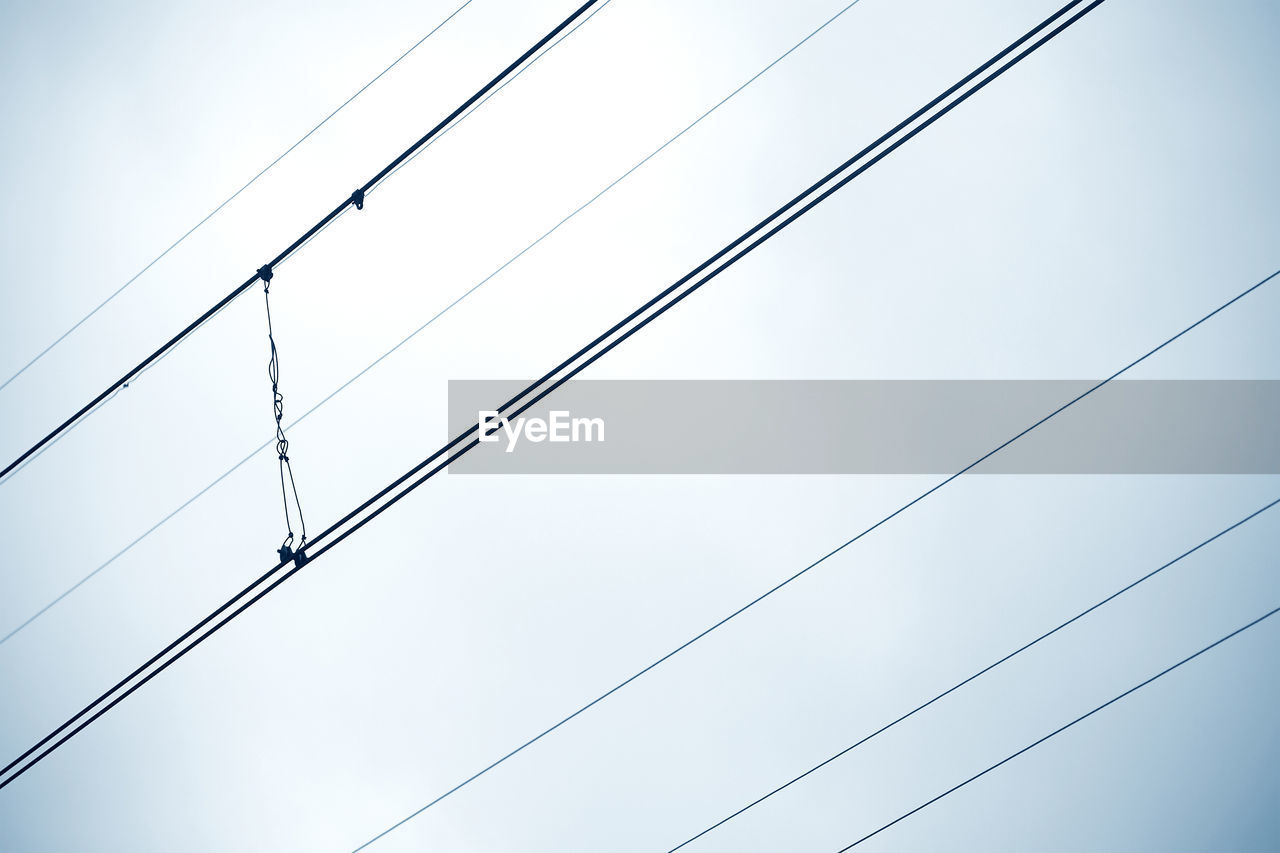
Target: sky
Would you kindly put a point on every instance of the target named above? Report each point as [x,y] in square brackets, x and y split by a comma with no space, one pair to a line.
[1096,200]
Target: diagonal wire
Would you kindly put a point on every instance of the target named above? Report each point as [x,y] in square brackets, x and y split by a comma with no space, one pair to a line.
[255,591]
[504,85]
[988,668]
[231,198]
[786,582]
[1063,728]
[334,393]
[356,199]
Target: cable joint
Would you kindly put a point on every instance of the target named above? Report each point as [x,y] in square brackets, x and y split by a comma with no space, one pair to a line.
[357,198]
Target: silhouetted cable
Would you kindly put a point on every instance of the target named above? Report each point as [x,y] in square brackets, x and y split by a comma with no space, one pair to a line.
[272,579]
[356,199]
[1063,728]
[1010,656]
[29,620]
[164,658]
[786,582]
[348,524]
[231,197]
[783,216]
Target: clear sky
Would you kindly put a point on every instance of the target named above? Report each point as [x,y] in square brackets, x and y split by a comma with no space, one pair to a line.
[1111,190]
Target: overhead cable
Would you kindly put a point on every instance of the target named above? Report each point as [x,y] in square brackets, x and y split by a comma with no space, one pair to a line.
[355,198]
[1161,674]
[367,368]
[974,677]
[231,198]
[383,500]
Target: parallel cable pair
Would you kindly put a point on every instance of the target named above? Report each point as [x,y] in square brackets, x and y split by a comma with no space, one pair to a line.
[638,319]
[287,554]
[821,560]
[361,373]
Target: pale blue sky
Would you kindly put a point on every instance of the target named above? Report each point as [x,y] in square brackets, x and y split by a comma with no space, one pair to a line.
[1091,203]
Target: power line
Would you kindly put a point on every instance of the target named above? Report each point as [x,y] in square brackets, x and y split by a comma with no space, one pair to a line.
[356,199]
[1047,634]
[256,590]
[1063,728]
[786,582]
[232,197]
[564,220]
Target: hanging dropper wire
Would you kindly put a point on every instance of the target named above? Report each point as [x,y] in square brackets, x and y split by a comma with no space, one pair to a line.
[287,483]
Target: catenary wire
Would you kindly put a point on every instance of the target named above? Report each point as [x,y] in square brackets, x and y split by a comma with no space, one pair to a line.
[1063,728]
[975,676]
[785,213]
[334,393]
[99,405]
[231,197]
[356,198]
[63,738]
[597,10]
[786,582]
[61,735]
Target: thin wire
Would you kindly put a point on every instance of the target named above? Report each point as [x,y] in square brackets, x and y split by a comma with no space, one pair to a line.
[768,593]
[277,581]
[1063,728]
[267,576]
[356,198]
[13,472]
[433,319]
[57,738]
[231,198]
[738,244]
[988,668]
[486,98]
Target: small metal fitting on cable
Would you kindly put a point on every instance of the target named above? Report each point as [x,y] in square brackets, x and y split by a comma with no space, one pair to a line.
[265,274]
[357,198]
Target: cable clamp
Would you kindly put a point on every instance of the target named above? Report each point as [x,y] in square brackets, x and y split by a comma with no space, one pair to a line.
[300,557]
[357,198]
[286,553]
[265,273]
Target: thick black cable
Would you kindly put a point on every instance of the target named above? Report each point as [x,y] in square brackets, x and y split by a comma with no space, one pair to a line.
[232,197]
[356,198]
[230,603]
[1063,728]
[297,567]
[975,676]
[755,229]
[580,208]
